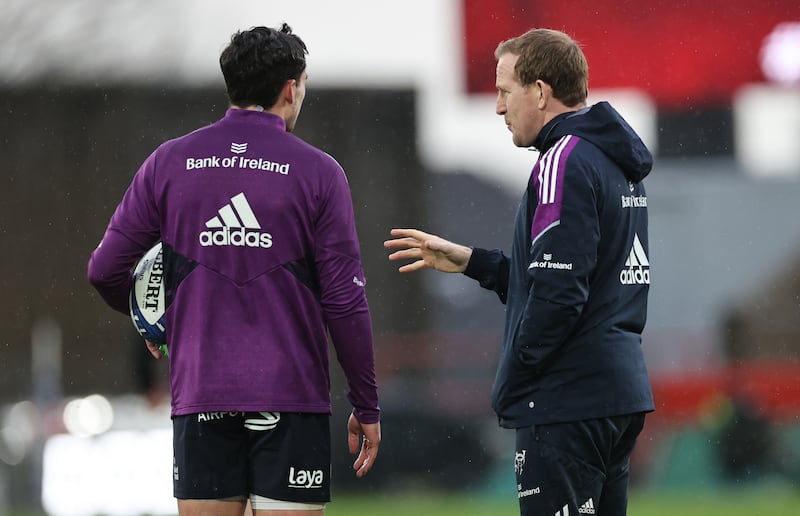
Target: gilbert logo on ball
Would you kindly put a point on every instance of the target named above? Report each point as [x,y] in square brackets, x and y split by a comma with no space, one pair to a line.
[147,297]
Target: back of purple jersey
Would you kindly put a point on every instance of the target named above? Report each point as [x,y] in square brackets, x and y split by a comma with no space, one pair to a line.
[261,257]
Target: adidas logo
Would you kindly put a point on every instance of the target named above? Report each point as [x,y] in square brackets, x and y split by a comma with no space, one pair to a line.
[587,508]
[637,271]
[235,225]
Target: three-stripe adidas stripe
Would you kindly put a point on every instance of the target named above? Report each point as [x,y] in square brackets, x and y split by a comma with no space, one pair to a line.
[548,171]
[586,508]
[228,215]
[637,257]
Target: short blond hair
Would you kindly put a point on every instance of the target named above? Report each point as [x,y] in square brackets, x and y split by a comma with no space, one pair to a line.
[555,58]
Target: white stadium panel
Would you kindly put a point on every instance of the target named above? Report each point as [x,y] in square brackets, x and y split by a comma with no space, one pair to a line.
[637,107]
[419,46]
[767,130]
[117,473]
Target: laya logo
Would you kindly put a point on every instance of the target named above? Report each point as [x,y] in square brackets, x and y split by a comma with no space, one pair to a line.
[235,225]
[637,266]
[305,478]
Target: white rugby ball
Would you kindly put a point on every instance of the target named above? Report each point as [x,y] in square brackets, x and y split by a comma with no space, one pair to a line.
[147,304]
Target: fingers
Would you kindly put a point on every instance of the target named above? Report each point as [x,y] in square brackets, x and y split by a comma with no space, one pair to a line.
[414,266]
[406,254]
[410,244]
[153,349]
[411,251]
[409,254]
[352,441]
[409,233]
[418,263]
[366,458]
[406,238]
[364,439]
[369,449]
[403,243]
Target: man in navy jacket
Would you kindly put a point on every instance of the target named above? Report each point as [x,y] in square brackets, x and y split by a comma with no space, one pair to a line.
[571,378]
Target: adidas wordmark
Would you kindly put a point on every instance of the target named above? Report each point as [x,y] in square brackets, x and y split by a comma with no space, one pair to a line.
[236,225]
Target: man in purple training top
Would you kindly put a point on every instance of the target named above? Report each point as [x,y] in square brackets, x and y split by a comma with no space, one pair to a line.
[261,261]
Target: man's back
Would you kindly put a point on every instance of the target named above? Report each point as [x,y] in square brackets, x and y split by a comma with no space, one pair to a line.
[259,244]
[261,264]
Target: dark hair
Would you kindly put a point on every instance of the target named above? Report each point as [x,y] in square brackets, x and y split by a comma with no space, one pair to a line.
[553,57]
[258,62]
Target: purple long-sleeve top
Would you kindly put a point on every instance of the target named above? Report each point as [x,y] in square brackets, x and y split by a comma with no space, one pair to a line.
[262,262]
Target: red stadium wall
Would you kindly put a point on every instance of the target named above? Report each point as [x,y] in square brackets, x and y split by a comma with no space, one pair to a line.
[696,52]
[771,388]
[458,370]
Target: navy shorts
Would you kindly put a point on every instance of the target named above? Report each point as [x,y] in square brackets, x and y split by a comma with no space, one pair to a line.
[576,468]
[277,455]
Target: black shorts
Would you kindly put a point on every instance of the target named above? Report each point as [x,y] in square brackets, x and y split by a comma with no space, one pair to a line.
[577,468]
[282,456]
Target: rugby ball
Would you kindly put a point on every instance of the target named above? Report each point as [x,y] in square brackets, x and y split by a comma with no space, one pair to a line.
[147,304]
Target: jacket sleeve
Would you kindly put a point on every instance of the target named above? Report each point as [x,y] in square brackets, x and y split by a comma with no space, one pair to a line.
[132,230]
[565,233]
[490,269]
[343,296]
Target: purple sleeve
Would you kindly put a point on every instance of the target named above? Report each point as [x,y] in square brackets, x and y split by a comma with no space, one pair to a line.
[354,352]
[133,229]
[344,299]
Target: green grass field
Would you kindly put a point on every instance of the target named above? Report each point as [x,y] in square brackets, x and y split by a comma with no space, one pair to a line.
[749,501]
[729,502]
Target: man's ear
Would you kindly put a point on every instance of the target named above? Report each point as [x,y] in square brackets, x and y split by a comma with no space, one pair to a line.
[543,92]
[289,91]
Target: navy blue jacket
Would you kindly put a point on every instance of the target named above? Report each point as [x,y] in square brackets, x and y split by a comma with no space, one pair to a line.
[577,281]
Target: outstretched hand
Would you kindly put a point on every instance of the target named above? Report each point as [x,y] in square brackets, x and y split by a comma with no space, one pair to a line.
[369,435]
[428,251]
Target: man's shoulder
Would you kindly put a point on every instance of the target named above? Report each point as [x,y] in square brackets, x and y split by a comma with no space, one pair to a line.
[586,160]
[320,159]
[583,149]
[193,137]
